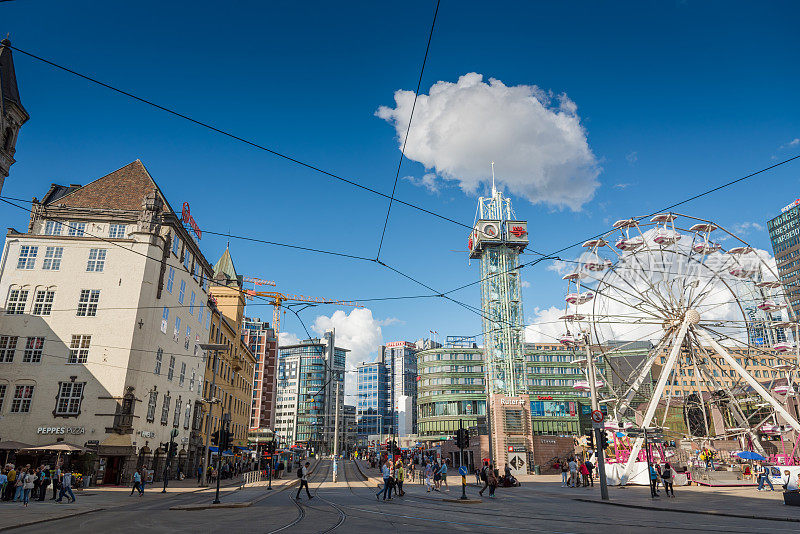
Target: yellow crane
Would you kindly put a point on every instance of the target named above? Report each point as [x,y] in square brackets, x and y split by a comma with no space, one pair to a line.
[277,299]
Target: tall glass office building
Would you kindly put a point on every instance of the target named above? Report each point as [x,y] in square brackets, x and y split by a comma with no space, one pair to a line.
[309,375]
[373,413]
[784,232]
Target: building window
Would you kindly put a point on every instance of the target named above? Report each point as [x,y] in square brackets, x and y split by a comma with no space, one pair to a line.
[53,228]
[192,379]
[2,396]
[188,337]
[27,257]
[200,315]
[182,291]
[208,319]
[69,398]
[182,376]
[151,406]
[79,348]
[176,244]
[170,280]
[52,258]
[159,358]
[171,370]
[21,403]
[116,230]
[177,328]
[164,319]
[17,298]
[165,409]
[87,303]
[97,260]
[187,257]
[8,345]
[76,229]
[176,417]
[191,303]
[43,302]
[33,350]
[186,415]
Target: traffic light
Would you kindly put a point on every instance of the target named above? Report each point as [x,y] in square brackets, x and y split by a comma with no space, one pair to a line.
[225,440]
[215,437]
[590,439]
[603,440]
[173,448]
[462,438]
[271,447]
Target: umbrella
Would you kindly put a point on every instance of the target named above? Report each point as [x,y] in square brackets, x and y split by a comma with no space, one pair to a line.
[9,446]
[750,455]
[60,446]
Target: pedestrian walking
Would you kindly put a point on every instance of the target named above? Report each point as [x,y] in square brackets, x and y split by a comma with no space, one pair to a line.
[18,486]
[387,482]
[66,486]
[199,473]
[484,476]
[137,483]
[27,486]
[666,478]
[302,474]
[763,477]
[443,475]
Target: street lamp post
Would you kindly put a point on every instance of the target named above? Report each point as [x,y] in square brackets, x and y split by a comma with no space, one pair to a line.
[215,347]
[226,421]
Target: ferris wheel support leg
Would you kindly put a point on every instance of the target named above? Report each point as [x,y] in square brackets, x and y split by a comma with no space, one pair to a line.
[654,400]
[750,380]
[637,383]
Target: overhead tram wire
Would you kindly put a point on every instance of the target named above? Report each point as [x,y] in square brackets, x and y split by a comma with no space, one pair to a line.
[236,137]
[408,130]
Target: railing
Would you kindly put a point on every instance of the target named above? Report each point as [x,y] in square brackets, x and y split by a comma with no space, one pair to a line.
[251,477]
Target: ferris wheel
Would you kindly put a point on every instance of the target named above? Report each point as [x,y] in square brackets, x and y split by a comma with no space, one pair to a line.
[691,293]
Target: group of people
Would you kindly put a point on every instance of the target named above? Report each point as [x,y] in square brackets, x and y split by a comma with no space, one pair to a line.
[575,473]
[488,475]
[394,475]
[664,476]
[26,483]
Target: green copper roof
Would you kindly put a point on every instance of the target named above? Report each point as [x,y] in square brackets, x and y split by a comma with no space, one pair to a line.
[224,269]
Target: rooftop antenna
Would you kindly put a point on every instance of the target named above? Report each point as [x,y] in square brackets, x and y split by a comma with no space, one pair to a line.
[494,190]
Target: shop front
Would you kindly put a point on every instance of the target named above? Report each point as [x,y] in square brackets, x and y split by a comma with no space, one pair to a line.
[116,460]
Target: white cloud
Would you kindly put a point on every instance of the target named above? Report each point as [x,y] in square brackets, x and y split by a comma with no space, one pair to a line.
[558,266]
[390,321]
[428,181]
[793,143]
[357,331]
[746,227]
[536,139]
[525,283]
[632,157]
[287,338]
[622,186]
[545,326]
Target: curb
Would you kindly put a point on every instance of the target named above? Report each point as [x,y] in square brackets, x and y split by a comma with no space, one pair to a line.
[700,512]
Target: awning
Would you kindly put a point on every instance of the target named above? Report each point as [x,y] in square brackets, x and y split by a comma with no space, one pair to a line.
[117,440]
[13,445]
[212,448]
[60,446]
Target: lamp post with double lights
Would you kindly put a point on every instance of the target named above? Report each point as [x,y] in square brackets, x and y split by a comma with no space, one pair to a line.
[215,347]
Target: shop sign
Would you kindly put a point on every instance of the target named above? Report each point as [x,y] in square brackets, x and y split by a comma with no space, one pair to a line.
[71,430]
[186,218]
[790,206]
[545,397]
[400,344]
[147,434]
[511,402]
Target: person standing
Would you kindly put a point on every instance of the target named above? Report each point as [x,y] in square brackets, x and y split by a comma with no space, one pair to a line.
[303,472]
[666,478]
[56,482]
[653,481]
[399,477]
[590,467]
[66,486]
[45,482]
[27,486]
[491,478]
[564,466]
[428,471]
[199,473]
[443,475]
[573,473]
[584,475]
[137,483]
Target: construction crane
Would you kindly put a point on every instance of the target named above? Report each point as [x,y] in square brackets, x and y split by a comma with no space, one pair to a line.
[258,281]
[277,299]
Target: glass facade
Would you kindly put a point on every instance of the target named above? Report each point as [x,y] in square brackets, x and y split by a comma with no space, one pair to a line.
[373,414]
[784,233]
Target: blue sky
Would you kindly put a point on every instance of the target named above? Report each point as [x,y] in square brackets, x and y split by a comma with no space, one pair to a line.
[672,98]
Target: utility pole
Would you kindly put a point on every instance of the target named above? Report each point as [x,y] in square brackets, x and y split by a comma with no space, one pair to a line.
[223,444]
[172,435]
[336,431]
[598,428]
[207,347]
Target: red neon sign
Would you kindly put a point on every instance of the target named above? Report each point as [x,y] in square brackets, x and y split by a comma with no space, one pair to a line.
[518,231]
[186,218]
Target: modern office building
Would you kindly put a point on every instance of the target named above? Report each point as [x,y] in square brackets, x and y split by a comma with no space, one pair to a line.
[261,340]
[373,409]
[784,233]
[12,114]
[400,359]
[105,302]
[310,385]
[350,428]
[451,389]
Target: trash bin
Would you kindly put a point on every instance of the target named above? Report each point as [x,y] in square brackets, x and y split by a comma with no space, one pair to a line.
[536,470]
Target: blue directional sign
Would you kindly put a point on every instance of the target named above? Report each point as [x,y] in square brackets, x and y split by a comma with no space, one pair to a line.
[462,470]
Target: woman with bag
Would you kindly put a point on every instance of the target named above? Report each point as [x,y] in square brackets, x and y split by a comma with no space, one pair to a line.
[666,478]
[27,486]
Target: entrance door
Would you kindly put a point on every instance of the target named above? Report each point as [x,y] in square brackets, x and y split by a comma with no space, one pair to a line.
[113,467]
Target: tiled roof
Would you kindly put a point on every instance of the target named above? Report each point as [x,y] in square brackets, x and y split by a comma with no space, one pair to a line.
[8,78]
[123,189]
[224,269]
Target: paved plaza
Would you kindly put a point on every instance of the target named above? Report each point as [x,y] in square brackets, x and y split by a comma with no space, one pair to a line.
[350,505]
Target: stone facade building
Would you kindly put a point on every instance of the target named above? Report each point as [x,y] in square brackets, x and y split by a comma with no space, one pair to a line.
[104,303]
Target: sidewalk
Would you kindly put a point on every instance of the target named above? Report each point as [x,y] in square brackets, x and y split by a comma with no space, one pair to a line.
[94,499]
[746,503]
